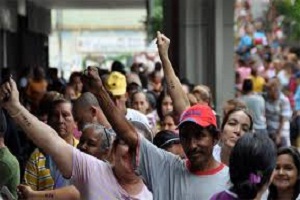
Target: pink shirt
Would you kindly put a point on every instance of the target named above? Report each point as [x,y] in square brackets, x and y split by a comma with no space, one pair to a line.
[95,180]
[244,72]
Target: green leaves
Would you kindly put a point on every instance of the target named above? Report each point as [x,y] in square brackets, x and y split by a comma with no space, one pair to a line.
[156,20]
[291,11]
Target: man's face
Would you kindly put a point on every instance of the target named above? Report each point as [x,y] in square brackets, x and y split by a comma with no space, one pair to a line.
[61,120]
[197,144]
[273,92]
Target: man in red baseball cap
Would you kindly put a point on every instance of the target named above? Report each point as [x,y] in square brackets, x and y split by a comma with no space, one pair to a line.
[198,134]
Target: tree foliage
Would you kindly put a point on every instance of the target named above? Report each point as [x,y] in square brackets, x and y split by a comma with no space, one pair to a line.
[156,20]
[290,9]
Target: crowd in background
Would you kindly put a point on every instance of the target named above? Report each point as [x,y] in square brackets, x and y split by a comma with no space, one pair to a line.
[250,153]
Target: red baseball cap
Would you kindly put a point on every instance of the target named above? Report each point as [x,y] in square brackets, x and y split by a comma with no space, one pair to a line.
[200,114]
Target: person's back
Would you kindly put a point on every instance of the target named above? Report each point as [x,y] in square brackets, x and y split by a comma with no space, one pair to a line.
[279,114]
[258,83]
[256,104]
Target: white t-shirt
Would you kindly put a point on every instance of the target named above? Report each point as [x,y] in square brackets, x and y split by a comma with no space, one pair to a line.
[134,115]
[217,152]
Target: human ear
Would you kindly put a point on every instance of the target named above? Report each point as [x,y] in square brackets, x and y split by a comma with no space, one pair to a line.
[93,110]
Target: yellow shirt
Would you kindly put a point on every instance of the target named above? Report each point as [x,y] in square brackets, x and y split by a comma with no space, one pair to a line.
[37,175]
[258,83]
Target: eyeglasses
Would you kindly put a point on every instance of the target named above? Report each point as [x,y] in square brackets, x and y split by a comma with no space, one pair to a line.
[108,134]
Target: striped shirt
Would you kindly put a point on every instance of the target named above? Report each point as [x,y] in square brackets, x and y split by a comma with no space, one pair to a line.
[37,171]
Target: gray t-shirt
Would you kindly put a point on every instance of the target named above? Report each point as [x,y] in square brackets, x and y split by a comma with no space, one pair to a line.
[168,177]
[256,104]
[277,109]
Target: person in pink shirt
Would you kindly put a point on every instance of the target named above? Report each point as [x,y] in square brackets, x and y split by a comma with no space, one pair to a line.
[93,178]
[115,178]
[243,70]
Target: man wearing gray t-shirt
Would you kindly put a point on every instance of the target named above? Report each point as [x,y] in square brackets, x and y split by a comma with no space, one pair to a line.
[198,177]
[166,175]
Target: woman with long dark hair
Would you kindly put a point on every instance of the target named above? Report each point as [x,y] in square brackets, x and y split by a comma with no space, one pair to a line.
[164,104]
[286,181]
[252,162]
[235,124]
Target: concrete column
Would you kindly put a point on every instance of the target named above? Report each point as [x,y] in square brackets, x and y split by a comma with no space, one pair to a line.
[224,51]
[204,38]
[171,29]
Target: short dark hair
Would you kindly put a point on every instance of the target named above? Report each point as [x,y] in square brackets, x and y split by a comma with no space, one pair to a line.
[247,86]
[55,103]
[166,139]
[133,87]
[47,100]
[118,67]
[253,155]
[86,99]
[293,152]
[213,131]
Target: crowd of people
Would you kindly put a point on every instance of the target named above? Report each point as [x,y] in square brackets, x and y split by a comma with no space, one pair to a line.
[109,136]
[140,135]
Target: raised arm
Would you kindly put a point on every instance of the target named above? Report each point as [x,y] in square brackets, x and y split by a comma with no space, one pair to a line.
[115,116]
[40,133]
[178,96]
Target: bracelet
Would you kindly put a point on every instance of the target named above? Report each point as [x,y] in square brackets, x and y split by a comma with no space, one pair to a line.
[16,115]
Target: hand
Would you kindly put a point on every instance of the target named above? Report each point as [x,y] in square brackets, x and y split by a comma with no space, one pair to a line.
[163,44]
[92,80]
[9,94]
[25,192]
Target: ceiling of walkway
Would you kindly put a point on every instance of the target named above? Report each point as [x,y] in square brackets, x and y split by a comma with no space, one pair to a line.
[97,4]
